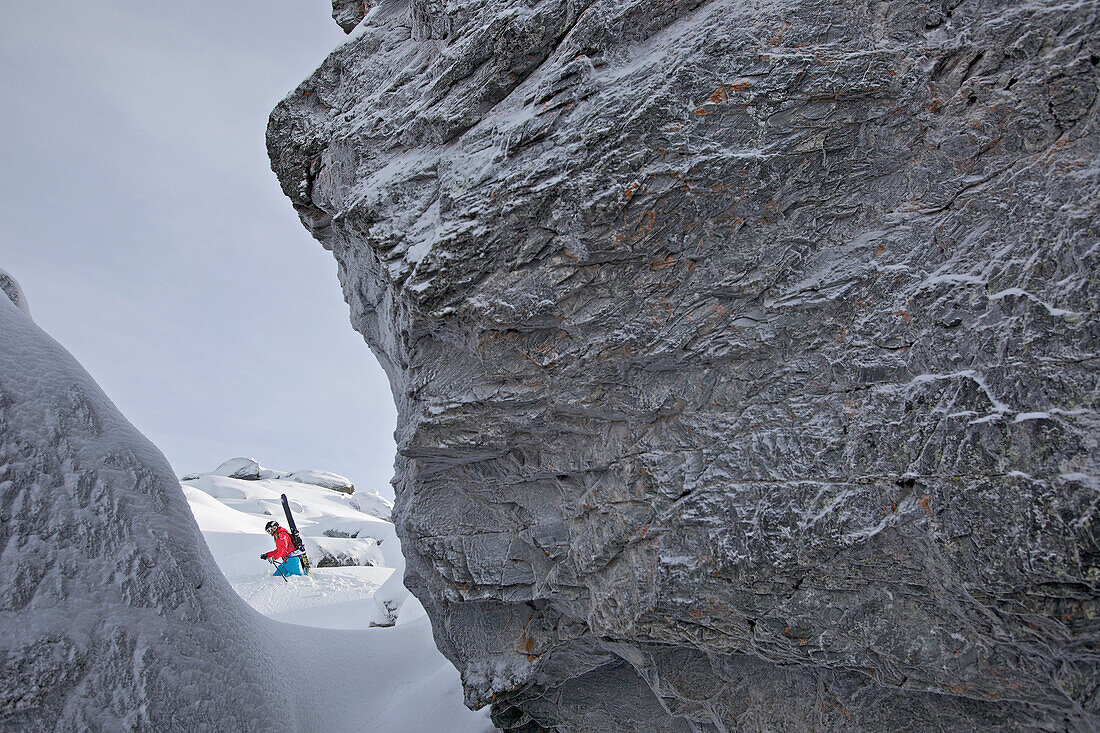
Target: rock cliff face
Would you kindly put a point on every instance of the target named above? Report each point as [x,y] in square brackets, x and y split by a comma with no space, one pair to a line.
[113,615]
[745,352]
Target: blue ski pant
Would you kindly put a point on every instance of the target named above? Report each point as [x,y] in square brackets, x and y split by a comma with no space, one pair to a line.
[290,566]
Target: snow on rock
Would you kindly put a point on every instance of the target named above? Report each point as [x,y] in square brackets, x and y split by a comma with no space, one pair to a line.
[394,603]
[10,287]
[374,504]
[338,551]
[348,13]
[112,614]
[247,469]
[317,510]
[325,479]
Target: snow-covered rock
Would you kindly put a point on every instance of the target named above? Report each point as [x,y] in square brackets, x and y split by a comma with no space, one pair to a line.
[323,478]
[10,287]
[318,511]
[246,469]
[348,13]
[249,469]
[373,503]
[112,613]
[342,552]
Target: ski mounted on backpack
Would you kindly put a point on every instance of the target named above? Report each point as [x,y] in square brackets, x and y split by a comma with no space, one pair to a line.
[297,538]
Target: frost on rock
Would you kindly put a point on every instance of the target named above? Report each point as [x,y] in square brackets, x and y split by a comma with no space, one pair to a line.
[110,615]
[744,353]
[348,13]
[10,287]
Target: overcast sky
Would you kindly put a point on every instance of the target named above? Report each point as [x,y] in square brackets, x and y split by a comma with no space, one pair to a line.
[152,240]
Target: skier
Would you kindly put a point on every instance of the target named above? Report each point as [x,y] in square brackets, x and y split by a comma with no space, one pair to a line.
[284,551]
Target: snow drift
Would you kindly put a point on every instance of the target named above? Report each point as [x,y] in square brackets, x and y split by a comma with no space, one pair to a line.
[110,615]
[114,614]
[232,512]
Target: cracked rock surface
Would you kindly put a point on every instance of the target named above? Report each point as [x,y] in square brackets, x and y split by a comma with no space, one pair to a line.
[745,353]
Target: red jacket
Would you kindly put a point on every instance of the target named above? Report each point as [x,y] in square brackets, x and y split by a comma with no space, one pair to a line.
[284,545]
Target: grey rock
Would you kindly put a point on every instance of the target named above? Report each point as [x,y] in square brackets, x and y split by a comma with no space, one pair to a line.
[745,353]
[9,286]
[348,13]
[328,552]
[336,561]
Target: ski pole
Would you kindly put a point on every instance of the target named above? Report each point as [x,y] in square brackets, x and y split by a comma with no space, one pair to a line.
[278,570]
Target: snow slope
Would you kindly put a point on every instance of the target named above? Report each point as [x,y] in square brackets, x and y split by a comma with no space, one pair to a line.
[114,615]
[110,615]
[232,513]
[392,680]
[370,659]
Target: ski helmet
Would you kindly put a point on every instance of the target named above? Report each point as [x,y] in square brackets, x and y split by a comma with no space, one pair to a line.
[271,526]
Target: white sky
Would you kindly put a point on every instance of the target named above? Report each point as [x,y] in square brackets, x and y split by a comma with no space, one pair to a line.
[152,240]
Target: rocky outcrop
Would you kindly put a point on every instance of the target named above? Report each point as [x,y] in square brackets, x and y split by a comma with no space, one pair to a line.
[246,469]
[348,13]
[323,479]
[745,353]
[9,286]
[113,615]
[249,469]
